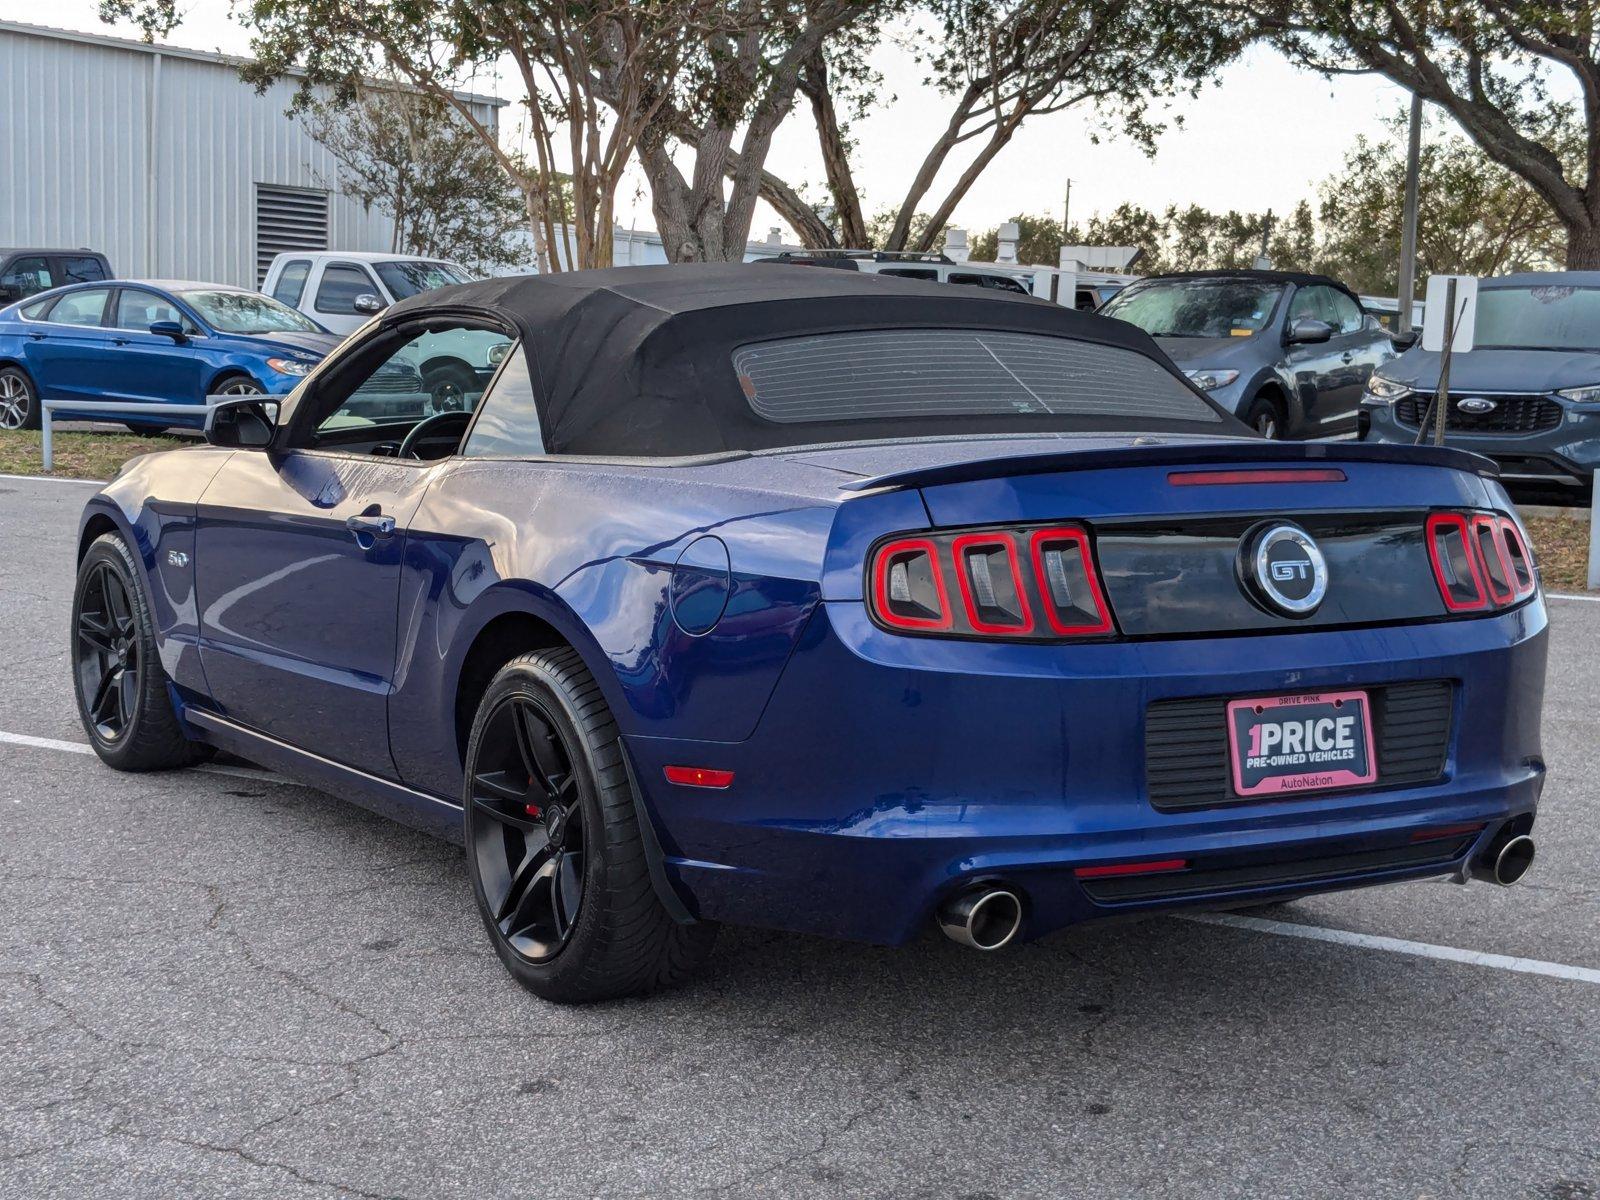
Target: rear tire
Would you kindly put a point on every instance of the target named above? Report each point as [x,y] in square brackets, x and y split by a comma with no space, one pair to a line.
[123,698]
[1265,416]
[554,848]
[19,400]
[149,431]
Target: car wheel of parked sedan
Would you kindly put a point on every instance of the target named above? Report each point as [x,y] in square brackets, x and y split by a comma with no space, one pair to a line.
[447,386]
[237,385]
[123,699]
[19,403]
[145,430]
[1265,417]
[553,842]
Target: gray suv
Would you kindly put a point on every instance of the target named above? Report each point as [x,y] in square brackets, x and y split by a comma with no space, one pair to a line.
[1288,353]
[1527,394]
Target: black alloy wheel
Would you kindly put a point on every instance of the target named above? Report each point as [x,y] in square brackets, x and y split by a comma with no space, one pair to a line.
[555,847]
[108,657]
[528,828]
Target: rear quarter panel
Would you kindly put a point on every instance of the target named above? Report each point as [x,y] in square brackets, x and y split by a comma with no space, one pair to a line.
[593,551]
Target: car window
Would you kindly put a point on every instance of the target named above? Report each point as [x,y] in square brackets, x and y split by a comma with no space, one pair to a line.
[1346,312]
[82,269]
[1197,308]
[25,276]
[995,283]
[291,283]
[80,308]
[36,310]
[911,272]
[408,277]
[341,284]
[904,374]
[139,309]
[1314,303]
[508,425]
[230,311]
[442,370]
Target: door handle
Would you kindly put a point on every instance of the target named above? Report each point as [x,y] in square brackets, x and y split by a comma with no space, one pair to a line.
[119,341]
[38,337]
[370,525]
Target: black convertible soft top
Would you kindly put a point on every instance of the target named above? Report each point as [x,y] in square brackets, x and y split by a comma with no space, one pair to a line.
[638,361]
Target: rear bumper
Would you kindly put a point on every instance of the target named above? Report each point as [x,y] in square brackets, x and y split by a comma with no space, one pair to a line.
[889,772]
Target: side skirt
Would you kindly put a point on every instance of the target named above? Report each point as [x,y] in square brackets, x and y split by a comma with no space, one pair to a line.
[385,797]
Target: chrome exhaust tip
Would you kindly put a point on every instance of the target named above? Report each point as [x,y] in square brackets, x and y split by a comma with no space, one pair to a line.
[1512,860]
[985,918]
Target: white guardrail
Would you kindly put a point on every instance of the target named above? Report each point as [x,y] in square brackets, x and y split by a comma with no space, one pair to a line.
[113,410]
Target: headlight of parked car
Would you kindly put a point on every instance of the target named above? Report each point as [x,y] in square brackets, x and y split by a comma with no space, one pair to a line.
[290,366]
[1379,388]
[1582,395]
[1210,381]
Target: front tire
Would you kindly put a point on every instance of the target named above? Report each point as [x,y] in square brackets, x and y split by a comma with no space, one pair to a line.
[1266,418]
[554,848]
[236,386]
[123,698]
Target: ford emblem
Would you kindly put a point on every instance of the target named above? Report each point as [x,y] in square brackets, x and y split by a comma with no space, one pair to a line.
[1478,405]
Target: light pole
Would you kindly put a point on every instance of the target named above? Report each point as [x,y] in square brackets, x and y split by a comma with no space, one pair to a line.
[1408,225]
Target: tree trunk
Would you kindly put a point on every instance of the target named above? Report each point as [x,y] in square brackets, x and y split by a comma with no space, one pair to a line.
[835,155]
[1583,243]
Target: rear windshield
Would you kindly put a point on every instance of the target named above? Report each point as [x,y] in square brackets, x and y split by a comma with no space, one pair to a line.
[893,374]
[1538,318]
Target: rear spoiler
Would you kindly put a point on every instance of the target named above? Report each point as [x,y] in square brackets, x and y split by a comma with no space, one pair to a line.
[1156,453]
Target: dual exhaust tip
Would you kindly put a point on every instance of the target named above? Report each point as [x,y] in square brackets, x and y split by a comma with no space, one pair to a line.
[984,918]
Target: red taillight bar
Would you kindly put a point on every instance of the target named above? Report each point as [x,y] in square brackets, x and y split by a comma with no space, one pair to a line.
[1008,543]
[1160,866]
[1080,539]
[1447,831]
[1437,524]
[1278,475]
[883,560]
[700,777]
[1495,569]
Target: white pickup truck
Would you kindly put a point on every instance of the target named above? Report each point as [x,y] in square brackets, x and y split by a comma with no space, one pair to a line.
[342,291]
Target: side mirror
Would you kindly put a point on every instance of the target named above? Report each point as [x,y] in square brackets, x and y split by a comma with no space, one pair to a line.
[171,329]
[1404,341]
[368,303]
[243,424]
[1308,331]
[498,352]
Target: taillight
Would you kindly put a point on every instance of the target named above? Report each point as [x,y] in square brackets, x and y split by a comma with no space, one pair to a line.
[1480,561]
[1038,584]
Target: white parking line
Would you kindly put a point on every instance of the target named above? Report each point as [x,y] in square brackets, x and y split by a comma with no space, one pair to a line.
[1570,596]
[254,774]
[53,479]
[1369,941]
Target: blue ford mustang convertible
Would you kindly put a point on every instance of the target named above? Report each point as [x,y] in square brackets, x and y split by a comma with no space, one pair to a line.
[825,602]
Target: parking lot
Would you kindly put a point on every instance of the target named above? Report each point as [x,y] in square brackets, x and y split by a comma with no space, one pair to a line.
[215,983]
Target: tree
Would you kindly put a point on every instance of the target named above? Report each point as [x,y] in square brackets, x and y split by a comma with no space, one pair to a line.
[1496,66]
[1474,216]
[1002,62]
[405,154]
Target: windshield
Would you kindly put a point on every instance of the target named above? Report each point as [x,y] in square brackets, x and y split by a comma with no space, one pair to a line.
[1197,308]
[247,312]
[410,276]
[1538,318]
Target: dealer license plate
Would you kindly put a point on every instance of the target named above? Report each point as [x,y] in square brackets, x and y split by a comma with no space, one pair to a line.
[1308,743]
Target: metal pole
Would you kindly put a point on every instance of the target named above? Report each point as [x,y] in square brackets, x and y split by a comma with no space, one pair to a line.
[1408,225]
[1066,211]
[1594,538]
[44,437]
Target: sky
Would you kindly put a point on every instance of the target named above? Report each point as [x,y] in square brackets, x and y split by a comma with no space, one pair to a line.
[1262,135]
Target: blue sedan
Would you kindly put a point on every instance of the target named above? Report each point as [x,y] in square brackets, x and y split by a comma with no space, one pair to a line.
[825,602]
[150,341]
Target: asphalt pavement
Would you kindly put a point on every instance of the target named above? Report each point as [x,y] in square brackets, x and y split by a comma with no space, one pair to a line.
[217,984]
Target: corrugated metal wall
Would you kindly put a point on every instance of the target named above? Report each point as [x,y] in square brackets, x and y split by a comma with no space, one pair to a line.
[153,159]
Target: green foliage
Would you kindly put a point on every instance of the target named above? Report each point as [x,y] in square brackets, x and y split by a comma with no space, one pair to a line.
[410,157]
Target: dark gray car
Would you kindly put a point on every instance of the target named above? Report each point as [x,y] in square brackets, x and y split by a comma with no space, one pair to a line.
[1526,395]
[1288,353]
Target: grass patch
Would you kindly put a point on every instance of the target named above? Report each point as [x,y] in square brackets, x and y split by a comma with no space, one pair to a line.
[1561,548]
[78,455]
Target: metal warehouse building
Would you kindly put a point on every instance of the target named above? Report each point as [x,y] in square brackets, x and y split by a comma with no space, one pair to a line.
[165,160]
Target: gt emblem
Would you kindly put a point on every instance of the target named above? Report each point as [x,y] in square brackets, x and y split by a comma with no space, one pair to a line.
[1477,404]
[1283,570]
[177,558]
